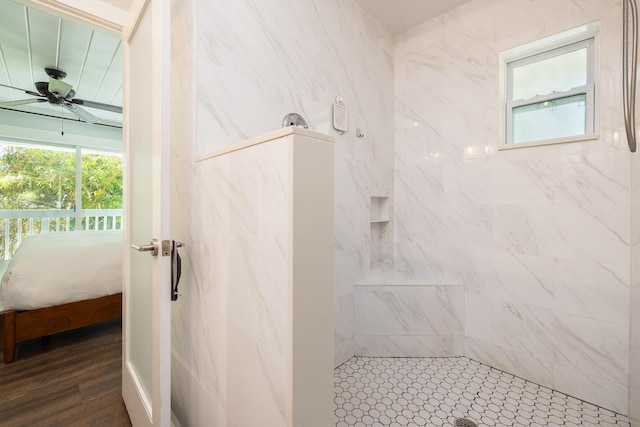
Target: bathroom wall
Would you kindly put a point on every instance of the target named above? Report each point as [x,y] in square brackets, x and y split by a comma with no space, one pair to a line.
[265,269]
[258,61]
[245,65]
[539,236]
[634,348]
[230,346]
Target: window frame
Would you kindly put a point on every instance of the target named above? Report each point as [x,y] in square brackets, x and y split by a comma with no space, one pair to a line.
[569,41]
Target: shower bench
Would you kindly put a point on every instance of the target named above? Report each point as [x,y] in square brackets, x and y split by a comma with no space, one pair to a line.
[400,315]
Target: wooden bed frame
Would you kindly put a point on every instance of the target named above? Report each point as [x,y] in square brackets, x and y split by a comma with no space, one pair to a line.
[20,326]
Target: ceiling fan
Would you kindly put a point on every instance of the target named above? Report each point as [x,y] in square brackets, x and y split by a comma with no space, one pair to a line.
[57,92]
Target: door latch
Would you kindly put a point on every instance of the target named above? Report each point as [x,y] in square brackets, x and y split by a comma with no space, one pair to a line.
[170,248]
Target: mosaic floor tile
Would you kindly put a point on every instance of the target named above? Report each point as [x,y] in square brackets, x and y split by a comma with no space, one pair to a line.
[436,391]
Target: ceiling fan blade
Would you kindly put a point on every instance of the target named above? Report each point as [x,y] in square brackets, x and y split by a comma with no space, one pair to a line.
[81,112]
[21,102]
[59,87]
[28,92]
[98,105]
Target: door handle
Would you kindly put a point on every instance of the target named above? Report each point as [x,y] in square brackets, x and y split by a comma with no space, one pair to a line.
[151,247]
[176,266]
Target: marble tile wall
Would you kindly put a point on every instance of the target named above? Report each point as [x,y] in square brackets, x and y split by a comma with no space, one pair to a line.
[243,66]
[634,347]
[230,325]
[539,236]
[258,61]
[634,374]
[409,320]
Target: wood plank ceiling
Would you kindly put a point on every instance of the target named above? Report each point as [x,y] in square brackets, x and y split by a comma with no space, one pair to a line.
[31,40]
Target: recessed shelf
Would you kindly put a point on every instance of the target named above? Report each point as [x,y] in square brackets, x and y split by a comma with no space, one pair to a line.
[380,233]
[380,208]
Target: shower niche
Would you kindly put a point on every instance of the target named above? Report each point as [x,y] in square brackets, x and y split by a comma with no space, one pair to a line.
[380,238]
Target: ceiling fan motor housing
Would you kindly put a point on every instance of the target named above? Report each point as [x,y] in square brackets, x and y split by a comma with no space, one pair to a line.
[43,88]
[55,73]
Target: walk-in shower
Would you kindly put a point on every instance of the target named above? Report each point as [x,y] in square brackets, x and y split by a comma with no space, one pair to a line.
[515,247]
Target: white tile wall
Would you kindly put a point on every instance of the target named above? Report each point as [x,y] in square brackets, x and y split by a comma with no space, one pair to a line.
[477,319]
[543,229]
[540,236]
[634,348]
[240,344]
[409,310]
[396,318]
[256,62]
[232,328]
[243,66]
[345,328]
[409,345]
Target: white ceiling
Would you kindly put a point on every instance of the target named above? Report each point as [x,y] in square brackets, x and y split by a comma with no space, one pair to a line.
[400,15]
[31,40]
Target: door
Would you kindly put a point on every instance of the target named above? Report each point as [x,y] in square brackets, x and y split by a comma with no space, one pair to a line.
[146,361]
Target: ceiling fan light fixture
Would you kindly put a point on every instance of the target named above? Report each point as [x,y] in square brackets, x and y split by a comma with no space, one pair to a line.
[59,88]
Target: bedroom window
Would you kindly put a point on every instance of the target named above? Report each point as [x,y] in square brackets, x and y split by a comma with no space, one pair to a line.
[36,178]
[549,90]
[101,180]
[53,188]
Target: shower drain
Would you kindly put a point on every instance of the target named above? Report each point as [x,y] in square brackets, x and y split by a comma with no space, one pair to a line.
[463,422]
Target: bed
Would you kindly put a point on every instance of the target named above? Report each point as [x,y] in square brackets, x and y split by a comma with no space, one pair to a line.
[57,282]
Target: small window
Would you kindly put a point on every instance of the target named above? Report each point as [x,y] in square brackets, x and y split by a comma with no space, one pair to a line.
[550,91]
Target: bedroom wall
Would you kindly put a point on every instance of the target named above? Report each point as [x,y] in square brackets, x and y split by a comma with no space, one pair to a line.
[244,65]
[539,236]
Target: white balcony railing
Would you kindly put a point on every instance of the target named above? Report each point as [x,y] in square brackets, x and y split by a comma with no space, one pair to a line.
[20,224]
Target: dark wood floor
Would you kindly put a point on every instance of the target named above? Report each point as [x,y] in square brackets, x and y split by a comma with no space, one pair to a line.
[69,379]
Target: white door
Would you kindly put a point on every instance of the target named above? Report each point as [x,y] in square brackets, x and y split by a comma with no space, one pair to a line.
[146,364]
[146,373]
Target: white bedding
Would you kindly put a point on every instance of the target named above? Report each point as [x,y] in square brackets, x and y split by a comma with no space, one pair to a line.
[57,268]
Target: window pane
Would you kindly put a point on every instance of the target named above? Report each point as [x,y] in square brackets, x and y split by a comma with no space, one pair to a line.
[558,118]
[101,180]
[556,74]
[101,187]
[36,178]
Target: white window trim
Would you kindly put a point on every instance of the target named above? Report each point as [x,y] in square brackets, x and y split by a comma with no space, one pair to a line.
[558,44]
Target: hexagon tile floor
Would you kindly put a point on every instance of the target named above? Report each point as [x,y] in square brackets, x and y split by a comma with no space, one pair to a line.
[436,391]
